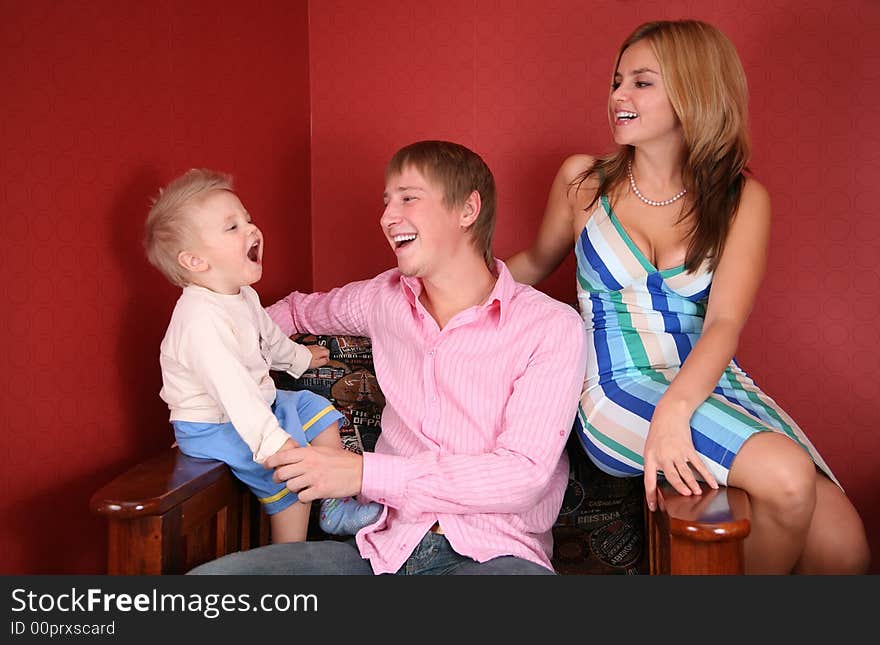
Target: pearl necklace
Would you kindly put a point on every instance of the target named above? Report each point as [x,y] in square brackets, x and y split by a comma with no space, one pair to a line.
[650,202]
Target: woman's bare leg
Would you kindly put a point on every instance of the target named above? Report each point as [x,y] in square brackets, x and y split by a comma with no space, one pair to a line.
[780,478]
[836,541]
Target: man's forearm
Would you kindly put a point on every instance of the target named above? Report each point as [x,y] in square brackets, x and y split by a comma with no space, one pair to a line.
[280,312]
[497,482]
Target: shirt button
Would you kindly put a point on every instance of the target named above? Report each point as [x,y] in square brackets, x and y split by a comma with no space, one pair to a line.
[422,316]
[431,353]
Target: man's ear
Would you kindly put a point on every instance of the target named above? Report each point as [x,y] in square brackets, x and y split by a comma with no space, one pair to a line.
[471,210]
[192,262]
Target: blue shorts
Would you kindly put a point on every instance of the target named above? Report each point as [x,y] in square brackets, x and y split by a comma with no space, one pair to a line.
[303,415]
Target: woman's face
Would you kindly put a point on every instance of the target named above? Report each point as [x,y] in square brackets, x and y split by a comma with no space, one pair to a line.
[638,109]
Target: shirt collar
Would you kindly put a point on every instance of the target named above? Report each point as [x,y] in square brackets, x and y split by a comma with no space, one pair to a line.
[502,293]
[412,289]
[505,288]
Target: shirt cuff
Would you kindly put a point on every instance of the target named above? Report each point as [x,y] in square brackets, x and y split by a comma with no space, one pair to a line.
[384,479]
[270,445]
[301,359]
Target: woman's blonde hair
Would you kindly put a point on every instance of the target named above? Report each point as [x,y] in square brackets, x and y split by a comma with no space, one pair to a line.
[706,86]
[168,229]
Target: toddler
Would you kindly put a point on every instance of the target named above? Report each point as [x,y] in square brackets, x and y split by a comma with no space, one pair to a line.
[220,346]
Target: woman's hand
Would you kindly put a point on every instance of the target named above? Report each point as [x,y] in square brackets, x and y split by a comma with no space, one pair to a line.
[670,449]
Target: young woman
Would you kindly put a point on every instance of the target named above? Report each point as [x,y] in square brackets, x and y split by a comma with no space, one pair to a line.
[671,239]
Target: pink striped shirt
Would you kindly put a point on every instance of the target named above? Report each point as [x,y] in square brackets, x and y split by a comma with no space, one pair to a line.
[476,417]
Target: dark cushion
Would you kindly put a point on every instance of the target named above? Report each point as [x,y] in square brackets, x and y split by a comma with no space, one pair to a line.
[349,382]
[601,525]
[600,528]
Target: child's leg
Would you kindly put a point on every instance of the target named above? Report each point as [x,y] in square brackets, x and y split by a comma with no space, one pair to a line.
[329,437]
[320,423]
[288,517]
[291,524]
[344,516]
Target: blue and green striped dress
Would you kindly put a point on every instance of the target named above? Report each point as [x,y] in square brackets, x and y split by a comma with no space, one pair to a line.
[641,325]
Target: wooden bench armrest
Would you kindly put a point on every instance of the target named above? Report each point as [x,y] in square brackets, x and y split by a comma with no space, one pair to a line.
[698,534]
[156,486]
[173,512]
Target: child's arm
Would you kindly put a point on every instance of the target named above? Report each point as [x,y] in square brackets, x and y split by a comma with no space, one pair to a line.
[283,353]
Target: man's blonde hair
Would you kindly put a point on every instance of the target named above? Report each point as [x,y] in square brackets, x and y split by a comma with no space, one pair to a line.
[168,230]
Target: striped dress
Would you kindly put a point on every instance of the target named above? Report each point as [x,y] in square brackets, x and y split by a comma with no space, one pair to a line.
[641,324]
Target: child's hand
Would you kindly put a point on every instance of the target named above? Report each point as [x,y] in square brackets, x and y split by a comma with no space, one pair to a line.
[287,445]
[320,355]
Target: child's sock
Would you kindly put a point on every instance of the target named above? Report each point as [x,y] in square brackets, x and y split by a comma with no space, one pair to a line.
[347,516]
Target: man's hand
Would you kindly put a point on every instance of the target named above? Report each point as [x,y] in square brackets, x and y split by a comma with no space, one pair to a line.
[318,472]
[320,355]
[287,445]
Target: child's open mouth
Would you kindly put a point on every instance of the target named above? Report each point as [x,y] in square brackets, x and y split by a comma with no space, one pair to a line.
[254,252]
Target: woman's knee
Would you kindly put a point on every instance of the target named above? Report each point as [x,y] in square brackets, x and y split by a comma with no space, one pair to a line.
[774,470]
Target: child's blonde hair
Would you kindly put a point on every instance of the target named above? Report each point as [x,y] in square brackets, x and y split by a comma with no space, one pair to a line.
[168,230]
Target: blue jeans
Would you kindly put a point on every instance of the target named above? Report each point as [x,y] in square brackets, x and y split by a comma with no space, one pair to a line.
[432,556]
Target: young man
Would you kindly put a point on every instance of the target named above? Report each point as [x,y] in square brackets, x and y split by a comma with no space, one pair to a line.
[481,377]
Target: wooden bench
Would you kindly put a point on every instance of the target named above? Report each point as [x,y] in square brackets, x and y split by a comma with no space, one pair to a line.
[173,512]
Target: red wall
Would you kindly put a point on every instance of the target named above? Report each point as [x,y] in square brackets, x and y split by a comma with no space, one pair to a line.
[102,102]
[524,83]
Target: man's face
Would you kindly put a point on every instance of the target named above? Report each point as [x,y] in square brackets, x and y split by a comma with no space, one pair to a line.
[422,232]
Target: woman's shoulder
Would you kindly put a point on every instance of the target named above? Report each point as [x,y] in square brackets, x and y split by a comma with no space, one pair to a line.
[575,166]
[753,189]
[755,200]
[573,181]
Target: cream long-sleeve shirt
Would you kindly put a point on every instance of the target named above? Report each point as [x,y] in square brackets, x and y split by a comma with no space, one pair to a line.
[215,361]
